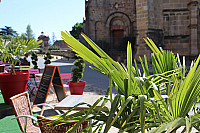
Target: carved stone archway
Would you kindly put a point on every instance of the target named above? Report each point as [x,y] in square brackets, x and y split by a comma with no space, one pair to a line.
[119,25]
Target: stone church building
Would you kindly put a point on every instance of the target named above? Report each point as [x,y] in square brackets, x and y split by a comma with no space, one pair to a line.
[172,24]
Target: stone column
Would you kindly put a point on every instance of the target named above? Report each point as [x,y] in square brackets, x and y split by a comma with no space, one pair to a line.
[142,27]
[193,7]
[149,22]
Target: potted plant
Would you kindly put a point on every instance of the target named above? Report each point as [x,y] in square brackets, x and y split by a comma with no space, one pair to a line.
[34,58]
[13,83]
[159,101]
[47,58]
[77,86]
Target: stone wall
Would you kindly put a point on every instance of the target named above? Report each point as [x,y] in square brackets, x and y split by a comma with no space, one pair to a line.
[66,53]
[171,24]
[149,23]
[103,15]
[155,15]
[176,19]
[142,27]
[193,6]
[175,4]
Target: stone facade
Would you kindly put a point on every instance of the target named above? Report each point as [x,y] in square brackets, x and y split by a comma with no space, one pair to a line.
[172,24]
[62,44]
[109,20]
[45,41]
[65,53]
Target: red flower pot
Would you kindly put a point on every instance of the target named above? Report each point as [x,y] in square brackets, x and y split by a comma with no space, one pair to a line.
[2,68]
[11,85]
[76,88]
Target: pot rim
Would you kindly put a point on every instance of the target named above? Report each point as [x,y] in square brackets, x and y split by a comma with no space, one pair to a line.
[17,73]
[76,82]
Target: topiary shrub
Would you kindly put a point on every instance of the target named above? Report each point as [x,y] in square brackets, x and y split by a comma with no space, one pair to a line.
[47,58]
[41,51]
[34,58]
[77,72]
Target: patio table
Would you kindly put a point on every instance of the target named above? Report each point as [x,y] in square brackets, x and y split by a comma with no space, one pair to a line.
[71,100]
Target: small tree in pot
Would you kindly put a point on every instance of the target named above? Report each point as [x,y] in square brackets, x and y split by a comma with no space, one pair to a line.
[77,86]
[34,58]
[13,50]
[13,83]
[47,58]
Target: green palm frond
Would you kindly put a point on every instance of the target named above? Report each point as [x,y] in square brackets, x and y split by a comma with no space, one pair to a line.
[140,104]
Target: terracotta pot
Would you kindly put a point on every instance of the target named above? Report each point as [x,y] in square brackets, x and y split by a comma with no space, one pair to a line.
[11,85]
[76,88]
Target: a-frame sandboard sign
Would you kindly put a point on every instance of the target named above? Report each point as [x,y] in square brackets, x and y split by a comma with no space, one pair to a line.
[51,74]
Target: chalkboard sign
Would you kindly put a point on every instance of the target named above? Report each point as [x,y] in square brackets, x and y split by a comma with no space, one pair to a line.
[51,74]
[58,85]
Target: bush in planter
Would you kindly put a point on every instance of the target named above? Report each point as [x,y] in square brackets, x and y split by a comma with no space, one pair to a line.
[47,58]
[140,104]
[34,58]
[41,51]
[77,72]
[77,86]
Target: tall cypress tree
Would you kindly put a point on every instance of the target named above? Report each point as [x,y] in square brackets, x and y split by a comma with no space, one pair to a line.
[29,32]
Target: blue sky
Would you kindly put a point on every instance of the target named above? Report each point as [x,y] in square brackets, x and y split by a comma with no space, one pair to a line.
[43,15]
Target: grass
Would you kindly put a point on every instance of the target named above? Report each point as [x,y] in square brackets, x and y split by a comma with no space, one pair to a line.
[2,105]
[9,126]
[6,124]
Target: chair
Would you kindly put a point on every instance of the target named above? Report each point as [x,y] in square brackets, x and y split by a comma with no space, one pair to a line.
[64,77]
[22,109]
[33,82]
[45,127]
